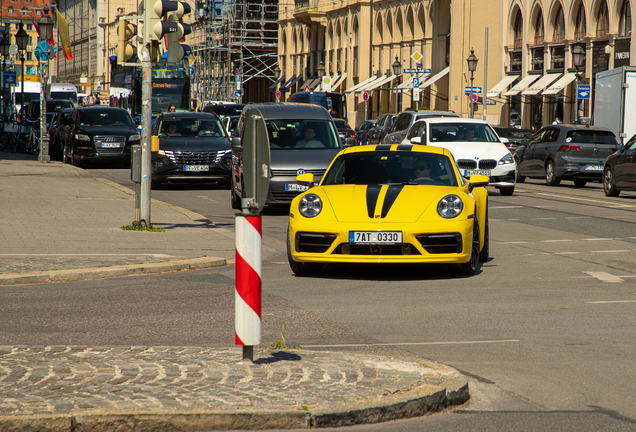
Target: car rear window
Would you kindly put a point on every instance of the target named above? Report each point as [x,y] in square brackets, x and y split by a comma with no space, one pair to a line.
[115,117]
[592,137]
[341,124]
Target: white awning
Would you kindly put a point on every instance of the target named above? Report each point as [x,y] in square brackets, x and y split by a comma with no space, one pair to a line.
[311,83]
[529,79]
[340,80]
[378,83]
[434,78]
[560,84]
[408,84]
[365,82]
[542,83]
[501,85]
[369,84]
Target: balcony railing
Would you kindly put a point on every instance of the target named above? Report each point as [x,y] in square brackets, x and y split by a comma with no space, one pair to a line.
[558,37]
[579,35]
[601,33]
[305,5]
[518,43]
[538,40]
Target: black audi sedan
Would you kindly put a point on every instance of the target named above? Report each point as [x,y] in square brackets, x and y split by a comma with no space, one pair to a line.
[98,133]
[193,147]
[619,170]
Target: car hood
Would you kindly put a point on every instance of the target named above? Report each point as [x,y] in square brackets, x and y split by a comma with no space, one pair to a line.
[305,158]
[472,150]
[194,144]
[399,203]
[106,130]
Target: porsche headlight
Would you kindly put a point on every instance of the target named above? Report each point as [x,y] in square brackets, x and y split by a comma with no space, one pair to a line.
[506,160]
[450,206]
[310,205]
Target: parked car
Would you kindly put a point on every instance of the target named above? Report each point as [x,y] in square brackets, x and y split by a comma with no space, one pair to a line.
[513,137]
[476,147]
[303,138]
[362,131]
[344,130]
[619,170]
[398,131]
[56,132]
[230,123]
[33,117]
[99,133]
[566,152]
[381,128]
[224,109]
[193,147]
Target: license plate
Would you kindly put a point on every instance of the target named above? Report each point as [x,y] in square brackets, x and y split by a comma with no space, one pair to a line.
[293,187]
[375,237]
[594,167]
[109,145]
[468,173]
[196,168]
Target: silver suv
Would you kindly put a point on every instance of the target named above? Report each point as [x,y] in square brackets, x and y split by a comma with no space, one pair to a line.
[397,133]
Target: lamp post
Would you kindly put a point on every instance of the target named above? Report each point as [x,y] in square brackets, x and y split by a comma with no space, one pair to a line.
[45,25]
[5,45]
[578,58]
[472,67]
[277,76]
[397,70]
[21,40]
[320,70]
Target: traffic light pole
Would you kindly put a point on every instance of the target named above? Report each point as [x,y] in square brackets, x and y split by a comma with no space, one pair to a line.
[146,133]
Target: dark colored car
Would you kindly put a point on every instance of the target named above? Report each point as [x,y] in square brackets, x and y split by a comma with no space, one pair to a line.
[33,118]
[193,147]
[224,110]
[230,123]
[56,132]
[515,137]
[344,130]
[619,170]
[381,128]
[362,131]
[565,152]
[397,132]
[99,133]
[292,151]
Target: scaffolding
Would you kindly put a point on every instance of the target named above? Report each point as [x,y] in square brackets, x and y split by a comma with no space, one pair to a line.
[235,48]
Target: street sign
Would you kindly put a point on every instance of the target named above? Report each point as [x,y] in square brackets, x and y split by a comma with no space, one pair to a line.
[416,83]
[476,90]
[99,88]
[473,98]
[365,96]
[237,93]
[9,77]
[256,162]
[412,70]
[278,94]
[307,88]
[583,91]
[489,102]
[326,84]
[416,56]
[191,70]
[416,93]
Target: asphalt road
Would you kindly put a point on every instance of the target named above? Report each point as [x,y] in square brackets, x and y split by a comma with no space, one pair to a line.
[544,330]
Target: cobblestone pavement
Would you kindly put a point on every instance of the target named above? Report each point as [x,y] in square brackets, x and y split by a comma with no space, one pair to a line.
[305,388]
[28,263]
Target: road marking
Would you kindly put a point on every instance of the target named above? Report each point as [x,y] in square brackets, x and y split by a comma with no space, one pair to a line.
[596,239]
[604,276]
[611,251]
[579,217]
[555,241]
[504,207]
[542,218]
[584,199]
[613,301]
[414,343]
[566,253]
[515,242]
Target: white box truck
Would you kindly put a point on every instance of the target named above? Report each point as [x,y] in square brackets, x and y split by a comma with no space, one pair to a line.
[615,101]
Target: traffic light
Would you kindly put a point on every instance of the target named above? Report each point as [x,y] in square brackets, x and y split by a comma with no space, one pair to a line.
[176,50]
[155,27]
[125,31]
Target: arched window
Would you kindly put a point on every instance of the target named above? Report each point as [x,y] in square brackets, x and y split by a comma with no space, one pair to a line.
[581,26]
[602,26]
[518,31]
[538,30]
[559,27]
[625,25]
[10,10]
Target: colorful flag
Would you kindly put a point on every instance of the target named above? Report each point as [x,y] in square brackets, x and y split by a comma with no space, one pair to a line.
[62,28]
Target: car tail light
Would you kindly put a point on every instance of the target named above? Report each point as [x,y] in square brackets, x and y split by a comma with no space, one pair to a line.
[613,149]
[512,146]
[353,135]
[569,148]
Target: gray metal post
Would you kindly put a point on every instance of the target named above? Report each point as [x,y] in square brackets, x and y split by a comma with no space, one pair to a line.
[44,134]
[146,136]
[484,91]
[472,106]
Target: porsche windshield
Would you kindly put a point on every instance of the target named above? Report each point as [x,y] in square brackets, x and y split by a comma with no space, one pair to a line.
[302,134]
[477,132]
[414,168]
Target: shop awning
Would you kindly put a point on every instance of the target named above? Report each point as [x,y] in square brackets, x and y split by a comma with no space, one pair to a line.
[310,83]
[363,83]
[434,78]
[539,85]
[272,88]
[525,82]
[408,84]
[501,85]
[370,85]
[560,84]
[284,86]
[294,81]
[340,80]
[378,83]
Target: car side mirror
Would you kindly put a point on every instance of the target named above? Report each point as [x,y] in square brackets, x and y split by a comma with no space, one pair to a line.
[236,143]
[620,147]
[477,180]
[416,140]
[306,179]
[349,142]
[504,140]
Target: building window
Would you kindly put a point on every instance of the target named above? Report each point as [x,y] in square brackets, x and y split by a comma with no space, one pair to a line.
[10,10]
[38,12]
[559,27]
[27,55]
[625,26]
[24,11]
[518,31]
[538,30]
[29,26]
[602,26]
[581,25]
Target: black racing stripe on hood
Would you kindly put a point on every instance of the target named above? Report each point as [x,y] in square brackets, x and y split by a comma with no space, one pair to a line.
[405,147]
[389,199]
[385,147]
[373,192]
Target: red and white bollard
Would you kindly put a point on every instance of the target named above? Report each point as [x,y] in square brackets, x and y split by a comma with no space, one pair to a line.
[247,297]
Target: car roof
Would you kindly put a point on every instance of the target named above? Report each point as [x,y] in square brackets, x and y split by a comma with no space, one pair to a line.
[455,120]
[432,113]
[398,147]
[290,111]
[188,114]
[579,127]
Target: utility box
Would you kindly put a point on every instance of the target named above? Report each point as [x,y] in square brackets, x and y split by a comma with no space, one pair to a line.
[615,101]
[135,163]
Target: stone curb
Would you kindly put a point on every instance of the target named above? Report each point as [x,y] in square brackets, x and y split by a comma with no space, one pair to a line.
[107,272]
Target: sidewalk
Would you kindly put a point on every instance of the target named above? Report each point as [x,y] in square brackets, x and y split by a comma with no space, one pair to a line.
[59,224]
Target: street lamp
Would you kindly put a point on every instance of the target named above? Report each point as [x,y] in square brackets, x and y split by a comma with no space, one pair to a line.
[21,40]
[472,67]
[397,70]
[5,45]
[578,59]
[320,70]
[45,25]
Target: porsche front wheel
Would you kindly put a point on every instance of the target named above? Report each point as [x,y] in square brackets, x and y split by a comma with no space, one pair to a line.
[299,268]
[469,268]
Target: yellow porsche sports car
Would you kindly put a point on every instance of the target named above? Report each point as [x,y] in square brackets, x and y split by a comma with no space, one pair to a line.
[389,204]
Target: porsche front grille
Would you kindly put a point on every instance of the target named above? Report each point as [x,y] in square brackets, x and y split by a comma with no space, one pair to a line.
[353,249]
[314,242]
[441,243]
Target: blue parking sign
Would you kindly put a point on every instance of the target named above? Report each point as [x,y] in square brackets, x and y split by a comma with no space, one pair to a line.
[9,77]
[583,91]
[416,82]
